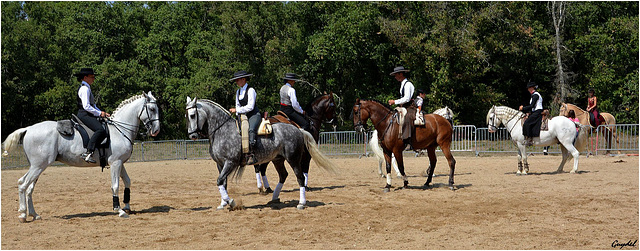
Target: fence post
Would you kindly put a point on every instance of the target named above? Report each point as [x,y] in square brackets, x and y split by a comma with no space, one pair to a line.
[142,149]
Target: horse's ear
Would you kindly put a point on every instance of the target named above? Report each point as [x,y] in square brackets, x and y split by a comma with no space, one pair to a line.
[188,99]
[145,95]
[357,101]
[149,95]
[325,92]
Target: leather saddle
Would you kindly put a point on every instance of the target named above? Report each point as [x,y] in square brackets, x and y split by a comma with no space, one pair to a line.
[281,117]
[68,127]
[544,126]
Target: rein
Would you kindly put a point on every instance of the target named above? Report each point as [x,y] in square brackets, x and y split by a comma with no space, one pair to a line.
[131,127]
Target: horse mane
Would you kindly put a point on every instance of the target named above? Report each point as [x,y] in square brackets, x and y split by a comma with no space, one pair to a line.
[508,110]
[379,102]
[214,104]
[125,102]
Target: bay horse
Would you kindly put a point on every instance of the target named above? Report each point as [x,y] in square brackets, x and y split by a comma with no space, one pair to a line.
[584,118]
[561,130]
[322,108]
[436,132]
[445,112]
[43,145]
[287,142]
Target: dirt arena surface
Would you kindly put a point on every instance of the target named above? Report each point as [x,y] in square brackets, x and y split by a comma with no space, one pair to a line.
[174,208]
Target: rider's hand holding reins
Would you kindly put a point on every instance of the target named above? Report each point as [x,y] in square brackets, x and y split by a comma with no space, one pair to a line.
[104,114]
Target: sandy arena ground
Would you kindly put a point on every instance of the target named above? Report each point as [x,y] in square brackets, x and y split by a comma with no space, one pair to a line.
[174,208]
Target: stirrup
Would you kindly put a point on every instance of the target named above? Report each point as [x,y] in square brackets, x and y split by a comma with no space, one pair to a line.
[88,157]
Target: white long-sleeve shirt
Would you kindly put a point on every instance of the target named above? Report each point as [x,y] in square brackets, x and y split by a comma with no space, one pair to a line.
[294,100]
[408,92]
[84,93]
[251,103]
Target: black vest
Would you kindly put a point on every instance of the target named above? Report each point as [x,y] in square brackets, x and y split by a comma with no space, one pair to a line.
[244,101]
[92,101]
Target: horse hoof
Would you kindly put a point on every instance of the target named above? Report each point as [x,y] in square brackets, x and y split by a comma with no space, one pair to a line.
[37,217]
[300,207]
[452,188]
[276,201]
[220,207]
[22,220]
[122,214]
[386,190]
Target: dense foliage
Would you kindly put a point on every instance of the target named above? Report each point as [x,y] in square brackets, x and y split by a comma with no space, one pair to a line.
[466,55]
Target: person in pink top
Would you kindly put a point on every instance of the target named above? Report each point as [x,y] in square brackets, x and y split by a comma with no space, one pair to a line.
[572,116]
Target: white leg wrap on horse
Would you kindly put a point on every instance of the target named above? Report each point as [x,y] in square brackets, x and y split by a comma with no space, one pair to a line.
[265,181]
[303,197]
[223,193]
[306,178]
[276,193]
[388,178]
[258,180]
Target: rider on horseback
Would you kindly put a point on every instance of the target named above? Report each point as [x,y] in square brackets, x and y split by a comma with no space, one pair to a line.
[406,101]
[592,108]
[289,102]
[531,127]
[246,104]
[88,112]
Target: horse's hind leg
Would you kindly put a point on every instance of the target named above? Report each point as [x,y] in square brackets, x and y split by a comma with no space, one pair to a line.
[26,185]
[282,175]
[431,152]
[452,164]
[565,156]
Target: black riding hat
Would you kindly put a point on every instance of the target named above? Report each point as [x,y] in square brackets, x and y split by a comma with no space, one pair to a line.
[398,69]
[532,84]
[240,74]
[85,72]
[291,76]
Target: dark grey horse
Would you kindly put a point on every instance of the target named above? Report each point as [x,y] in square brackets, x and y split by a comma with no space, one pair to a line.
[287,142]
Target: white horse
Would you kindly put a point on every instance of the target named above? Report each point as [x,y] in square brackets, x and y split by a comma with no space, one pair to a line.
[43,145]
[561,130]
[445,112]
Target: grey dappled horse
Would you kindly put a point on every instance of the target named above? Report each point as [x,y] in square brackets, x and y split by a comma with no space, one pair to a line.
[43,145]
[287,142]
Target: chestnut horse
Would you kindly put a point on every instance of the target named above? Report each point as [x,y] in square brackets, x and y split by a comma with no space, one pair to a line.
[436,132]
[583,117]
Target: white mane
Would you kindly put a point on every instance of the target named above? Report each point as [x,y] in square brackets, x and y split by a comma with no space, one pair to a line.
[215,105]
[127,101]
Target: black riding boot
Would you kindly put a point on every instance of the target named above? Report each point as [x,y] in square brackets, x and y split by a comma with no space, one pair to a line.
[88,157]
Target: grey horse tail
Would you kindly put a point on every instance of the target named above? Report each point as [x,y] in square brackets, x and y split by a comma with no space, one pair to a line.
[12,141]
[316,155]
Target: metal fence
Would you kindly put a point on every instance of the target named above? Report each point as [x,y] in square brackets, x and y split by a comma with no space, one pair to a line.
[466,138]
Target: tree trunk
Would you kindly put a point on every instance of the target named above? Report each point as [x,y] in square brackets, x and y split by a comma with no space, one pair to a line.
[562,88]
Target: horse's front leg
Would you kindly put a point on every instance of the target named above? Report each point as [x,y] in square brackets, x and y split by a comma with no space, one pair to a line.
[127,191]
[520,154]
[222,186]
[400,161]
[116,170]
[387,158]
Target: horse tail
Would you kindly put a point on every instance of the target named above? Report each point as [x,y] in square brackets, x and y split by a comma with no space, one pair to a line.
[375,146]
[316,155]
[12,141]
[580,142]
[236,174]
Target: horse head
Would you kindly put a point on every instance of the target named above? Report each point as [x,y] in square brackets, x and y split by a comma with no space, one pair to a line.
[492,121]
[323,108]
[360,117]
[195,118]
[563,110]
[150,115]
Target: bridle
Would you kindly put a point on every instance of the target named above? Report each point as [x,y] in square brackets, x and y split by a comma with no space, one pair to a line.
[199,130]
[364,125]
[130,127]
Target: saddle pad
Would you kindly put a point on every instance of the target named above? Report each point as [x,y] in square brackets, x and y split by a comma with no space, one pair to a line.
[265,127]
[281,119]
[244,127]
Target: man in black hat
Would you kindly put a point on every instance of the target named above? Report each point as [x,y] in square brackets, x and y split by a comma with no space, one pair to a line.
[88,112]
[289,102]
[531,126]
[246,104]
[406,101]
